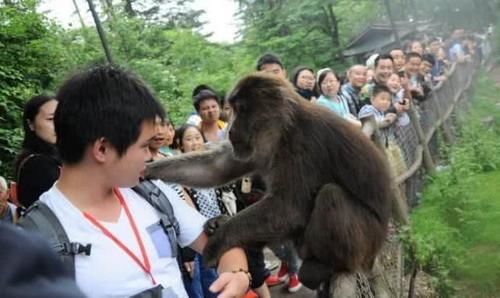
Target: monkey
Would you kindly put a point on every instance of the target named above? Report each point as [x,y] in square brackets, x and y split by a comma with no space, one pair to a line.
[328,186]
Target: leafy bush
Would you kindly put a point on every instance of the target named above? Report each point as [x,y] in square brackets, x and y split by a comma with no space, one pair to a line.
[443,227]
[29,62]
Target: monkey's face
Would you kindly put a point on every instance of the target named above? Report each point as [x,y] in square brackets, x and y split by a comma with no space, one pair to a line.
[243,128]
[260,114]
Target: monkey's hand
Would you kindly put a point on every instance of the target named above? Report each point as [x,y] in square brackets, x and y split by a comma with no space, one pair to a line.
[213,224]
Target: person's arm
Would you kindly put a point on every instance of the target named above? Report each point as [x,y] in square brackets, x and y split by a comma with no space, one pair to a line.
[191,223]
[389,118]
[353,120]
[234,279]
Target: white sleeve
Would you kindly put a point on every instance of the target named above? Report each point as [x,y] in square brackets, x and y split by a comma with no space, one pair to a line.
[190,220]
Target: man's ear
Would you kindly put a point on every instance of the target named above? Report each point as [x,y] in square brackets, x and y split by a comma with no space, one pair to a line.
[101,150]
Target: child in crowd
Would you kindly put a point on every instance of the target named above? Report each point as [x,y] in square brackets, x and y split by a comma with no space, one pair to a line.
[167,132]
[158,140]
[381,100]
[399,101]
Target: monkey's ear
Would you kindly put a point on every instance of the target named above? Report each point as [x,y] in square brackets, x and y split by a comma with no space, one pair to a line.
[263,85]
[252,82]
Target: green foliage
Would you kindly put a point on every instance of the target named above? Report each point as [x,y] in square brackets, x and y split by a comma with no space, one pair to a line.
[473,14]
[196,61]
[29,61]
[169,13]
[173,62]
[445,227]
[304,32]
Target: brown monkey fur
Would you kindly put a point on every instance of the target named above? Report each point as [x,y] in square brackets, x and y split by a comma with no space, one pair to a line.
[328,187]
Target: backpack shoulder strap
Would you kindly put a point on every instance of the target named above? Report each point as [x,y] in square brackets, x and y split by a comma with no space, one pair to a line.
[40,219]
[156,198]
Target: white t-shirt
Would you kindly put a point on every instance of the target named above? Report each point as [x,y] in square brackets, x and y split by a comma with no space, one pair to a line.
[109,271]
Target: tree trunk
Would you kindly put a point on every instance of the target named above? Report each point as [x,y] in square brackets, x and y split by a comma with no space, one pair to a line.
[100,31]
[129,9]
[333,28]
[77,9]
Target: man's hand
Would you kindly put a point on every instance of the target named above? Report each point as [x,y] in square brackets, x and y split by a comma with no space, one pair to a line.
[390,117]
[231,285]
[402,106]
[399,107]
[189,266]
[418,90]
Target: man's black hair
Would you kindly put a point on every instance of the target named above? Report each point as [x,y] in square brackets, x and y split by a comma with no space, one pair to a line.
[396,49]
[385,56]
[102,102]
[268,59]
[413,55]
[379,88]
[201,87]
[429,58]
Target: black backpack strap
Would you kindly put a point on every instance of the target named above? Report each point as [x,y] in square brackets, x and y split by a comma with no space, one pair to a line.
[156,198]
[40,219]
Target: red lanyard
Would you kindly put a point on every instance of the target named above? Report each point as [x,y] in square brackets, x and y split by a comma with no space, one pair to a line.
[145,265]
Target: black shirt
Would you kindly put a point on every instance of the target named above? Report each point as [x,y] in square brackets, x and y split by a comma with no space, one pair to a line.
[37,174]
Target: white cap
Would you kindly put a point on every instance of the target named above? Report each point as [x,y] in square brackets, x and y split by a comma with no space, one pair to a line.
[370,62]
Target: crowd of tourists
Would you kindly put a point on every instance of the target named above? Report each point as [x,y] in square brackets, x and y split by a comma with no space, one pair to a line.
[85,147]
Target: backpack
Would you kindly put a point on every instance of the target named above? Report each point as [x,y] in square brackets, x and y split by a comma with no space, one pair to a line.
[41,219]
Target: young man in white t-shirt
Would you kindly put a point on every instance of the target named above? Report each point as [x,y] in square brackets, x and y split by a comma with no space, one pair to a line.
[104,125]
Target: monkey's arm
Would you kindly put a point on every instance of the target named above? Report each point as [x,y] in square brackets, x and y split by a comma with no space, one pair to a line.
[266,221]
[216,166]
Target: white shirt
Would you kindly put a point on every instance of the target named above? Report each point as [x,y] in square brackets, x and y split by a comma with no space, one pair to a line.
[109,271]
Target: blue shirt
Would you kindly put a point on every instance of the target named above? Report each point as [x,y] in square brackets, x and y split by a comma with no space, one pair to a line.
[338,105]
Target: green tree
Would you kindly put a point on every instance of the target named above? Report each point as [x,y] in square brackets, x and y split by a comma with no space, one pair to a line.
[30,57]
[170,13]
[304,32]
